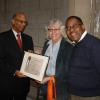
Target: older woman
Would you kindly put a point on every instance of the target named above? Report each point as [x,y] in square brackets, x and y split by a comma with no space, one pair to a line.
[58,50]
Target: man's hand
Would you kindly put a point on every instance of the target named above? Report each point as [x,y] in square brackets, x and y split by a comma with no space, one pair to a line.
[19,74]
[45,80]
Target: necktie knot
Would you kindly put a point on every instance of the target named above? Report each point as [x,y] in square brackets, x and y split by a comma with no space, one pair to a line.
[18,35]
[19,40]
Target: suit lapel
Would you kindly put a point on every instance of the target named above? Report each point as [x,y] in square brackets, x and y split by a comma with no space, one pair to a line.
[13,41]
[24,44]
[45,47]
[59,60]
[60,49]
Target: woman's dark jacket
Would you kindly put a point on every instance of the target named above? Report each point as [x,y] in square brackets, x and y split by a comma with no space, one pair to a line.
[61,66]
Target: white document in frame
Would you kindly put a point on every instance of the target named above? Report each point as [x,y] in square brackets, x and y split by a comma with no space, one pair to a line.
[34,65]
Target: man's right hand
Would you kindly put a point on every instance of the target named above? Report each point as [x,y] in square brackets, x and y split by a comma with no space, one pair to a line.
[19,74]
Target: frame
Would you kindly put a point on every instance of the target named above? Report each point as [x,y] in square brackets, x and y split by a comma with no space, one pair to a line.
[34,65]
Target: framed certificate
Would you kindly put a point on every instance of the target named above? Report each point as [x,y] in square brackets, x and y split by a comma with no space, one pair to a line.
[34,65]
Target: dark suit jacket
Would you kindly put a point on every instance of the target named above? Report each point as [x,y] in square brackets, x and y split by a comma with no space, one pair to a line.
[11,57]
[61,67]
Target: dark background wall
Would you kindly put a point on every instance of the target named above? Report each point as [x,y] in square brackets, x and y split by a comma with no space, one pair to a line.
[39,12]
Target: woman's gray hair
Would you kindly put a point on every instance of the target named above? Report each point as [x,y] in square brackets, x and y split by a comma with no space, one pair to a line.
[59,22]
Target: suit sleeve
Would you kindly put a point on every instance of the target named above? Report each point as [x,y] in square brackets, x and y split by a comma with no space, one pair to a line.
[4,66]
[96,56]
[31,45]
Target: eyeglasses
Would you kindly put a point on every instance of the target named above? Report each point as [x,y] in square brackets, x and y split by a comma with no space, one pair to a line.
[53,30]
[74,27]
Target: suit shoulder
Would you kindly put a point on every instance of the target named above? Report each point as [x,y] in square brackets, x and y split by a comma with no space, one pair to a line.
[67,43]
[46,41]
[93,38]
[4,34]
[26,36]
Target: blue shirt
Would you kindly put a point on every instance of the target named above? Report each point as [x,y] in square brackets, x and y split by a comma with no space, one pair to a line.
[52,52]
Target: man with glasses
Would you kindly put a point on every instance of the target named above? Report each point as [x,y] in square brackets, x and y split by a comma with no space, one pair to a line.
[84,66]
[13,84]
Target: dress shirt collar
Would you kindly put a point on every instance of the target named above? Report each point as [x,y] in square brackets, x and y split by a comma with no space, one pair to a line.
[15,33]
[57,43]
[83,35]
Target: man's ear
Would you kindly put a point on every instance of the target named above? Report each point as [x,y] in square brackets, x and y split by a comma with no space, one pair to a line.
[83,27]
[12,21]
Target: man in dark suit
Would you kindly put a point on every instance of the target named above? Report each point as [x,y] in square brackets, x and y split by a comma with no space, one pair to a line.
[84,66]
[13,84]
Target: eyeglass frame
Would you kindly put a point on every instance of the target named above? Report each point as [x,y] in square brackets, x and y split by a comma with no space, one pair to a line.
[74,27]
[49,29]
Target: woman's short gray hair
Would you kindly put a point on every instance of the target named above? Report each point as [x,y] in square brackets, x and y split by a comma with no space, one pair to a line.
[61,25]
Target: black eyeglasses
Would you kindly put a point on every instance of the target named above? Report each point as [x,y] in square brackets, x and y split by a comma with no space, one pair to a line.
[74,27]
[53,29]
